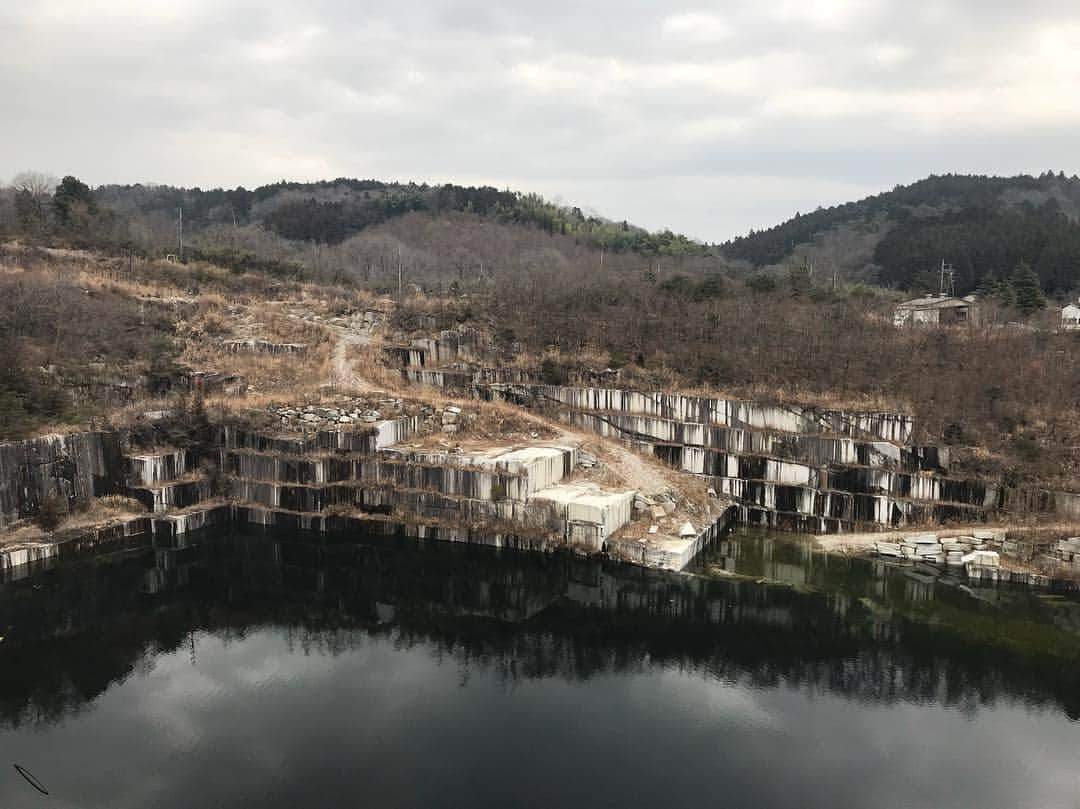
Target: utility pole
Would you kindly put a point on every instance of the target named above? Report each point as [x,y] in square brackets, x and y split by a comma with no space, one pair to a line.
[947,283]
[181,228]
[399,271]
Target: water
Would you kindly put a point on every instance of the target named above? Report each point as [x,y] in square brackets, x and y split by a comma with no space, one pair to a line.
[255,672]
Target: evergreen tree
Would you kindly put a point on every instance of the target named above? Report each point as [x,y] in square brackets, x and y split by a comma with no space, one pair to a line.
[71,199]
[1028,290]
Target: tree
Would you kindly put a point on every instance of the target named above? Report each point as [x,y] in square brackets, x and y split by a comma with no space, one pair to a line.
[32,192]
[1027,289]
[799,278]
[35,183]
[73,202]
[53,510]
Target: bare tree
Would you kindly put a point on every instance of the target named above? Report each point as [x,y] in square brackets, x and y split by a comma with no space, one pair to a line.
[37,184]
[33,190]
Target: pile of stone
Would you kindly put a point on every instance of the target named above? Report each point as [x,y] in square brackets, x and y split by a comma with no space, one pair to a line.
[367,320]
[661,509]
[339,414]
[255,345]
[959,550]
[449,418]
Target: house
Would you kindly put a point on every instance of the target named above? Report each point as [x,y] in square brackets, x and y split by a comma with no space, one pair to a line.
[1070,317]
[936,310]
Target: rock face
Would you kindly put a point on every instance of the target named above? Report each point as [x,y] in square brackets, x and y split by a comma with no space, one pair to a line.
[75,466]
[325,474]
[802,468]
[154,468]
[448,347]
[457,491]
[796,467]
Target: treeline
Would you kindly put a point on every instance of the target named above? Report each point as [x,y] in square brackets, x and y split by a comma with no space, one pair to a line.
[984,226]
[329,212]
[41,206]
[983,245]
[366,230]
[375,231]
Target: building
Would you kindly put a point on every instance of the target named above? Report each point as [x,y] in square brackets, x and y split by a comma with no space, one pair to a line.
[1070,317]
[936,310]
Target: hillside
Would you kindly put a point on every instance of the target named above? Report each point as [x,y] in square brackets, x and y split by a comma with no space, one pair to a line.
[388,234]
[382,234]
[983,226]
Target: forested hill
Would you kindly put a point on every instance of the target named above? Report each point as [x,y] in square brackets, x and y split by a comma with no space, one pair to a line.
[331,211]
[984,226]
[374,232]
[386,233]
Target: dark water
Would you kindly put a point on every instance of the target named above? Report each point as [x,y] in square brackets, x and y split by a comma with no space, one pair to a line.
[250,672]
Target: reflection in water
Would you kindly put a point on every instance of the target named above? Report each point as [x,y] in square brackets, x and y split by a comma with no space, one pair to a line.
[304,612]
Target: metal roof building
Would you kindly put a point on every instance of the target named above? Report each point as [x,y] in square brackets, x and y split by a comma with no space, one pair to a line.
[936,310]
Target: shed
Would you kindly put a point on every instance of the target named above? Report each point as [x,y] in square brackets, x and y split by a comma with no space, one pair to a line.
[1070,317]
[936,310]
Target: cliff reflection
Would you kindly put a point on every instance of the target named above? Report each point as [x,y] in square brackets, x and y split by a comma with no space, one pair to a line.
[843,626]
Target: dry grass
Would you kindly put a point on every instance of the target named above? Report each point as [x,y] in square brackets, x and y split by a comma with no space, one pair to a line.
[366,361]
[97,513]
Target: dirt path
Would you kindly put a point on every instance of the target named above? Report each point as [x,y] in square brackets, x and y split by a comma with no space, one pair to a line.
[342,374]
[635,470]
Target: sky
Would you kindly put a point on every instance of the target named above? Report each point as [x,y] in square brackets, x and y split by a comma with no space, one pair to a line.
[710,119]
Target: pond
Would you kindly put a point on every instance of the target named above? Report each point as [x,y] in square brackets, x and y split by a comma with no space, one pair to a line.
[296,671]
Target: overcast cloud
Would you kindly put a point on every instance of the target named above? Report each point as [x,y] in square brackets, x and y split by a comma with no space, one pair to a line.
[706,118]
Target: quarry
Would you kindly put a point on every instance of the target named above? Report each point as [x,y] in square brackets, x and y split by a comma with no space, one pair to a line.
[649,479]
[382,467]
[335,413]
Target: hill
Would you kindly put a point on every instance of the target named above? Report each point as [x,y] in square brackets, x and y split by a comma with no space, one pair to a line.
[983,226]
[389,234]
[369,231]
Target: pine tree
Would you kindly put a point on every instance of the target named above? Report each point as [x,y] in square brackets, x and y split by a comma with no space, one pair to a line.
[1028,290]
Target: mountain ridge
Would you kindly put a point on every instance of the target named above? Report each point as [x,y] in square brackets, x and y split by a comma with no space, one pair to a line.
[984,225]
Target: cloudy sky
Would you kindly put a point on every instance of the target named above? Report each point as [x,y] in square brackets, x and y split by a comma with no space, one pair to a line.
[709,118]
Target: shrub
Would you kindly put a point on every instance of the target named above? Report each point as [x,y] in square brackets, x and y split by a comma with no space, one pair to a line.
[52,512]
[551,373]
[761,283]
